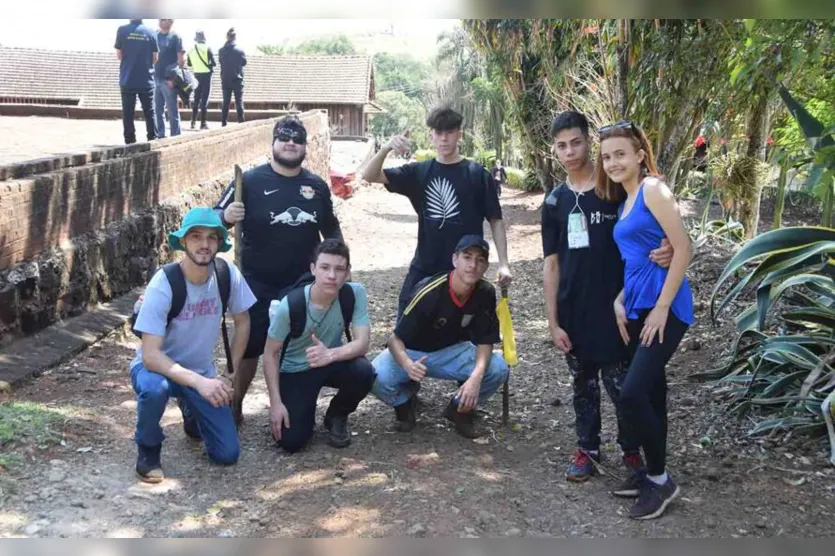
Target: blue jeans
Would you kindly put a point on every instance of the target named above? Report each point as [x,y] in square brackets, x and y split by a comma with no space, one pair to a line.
[216,425]
[166,97]
[394,387]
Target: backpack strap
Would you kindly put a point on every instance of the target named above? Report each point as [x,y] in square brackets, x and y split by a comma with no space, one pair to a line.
[224,282]
[297,304]
[177,281]
[347,300]
[423,170]
[224,286]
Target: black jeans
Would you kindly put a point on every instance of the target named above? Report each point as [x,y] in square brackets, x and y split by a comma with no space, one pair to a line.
[228,89]
[643,395]
[146,100]
[201,96]
[586,382]
[299,392]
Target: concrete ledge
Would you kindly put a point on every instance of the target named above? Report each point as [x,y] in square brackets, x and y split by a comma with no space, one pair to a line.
[56,344]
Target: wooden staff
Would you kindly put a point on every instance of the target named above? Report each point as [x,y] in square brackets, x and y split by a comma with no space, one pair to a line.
[239,196]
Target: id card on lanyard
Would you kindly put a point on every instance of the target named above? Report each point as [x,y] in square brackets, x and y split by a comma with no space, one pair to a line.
[578,226]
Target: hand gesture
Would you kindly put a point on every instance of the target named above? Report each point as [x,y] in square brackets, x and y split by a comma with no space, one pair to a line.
[214,391]
[656,321]
[234,212]
[417,369]
[399,143]
[468,395]
[561,339]
[505,276]
[279,417]
[620,317]
[318,355]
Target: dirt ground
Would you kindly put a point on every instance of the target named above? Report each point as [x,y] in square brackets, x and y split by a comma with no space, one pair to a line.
[430,482]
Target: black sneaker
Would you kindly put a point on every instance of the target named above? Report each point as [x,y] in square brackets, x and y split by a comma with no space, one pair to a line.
[339,436]
[636,474]
[653,499]
[189,422]
[148,466]
[406,415]
[192,124]
[464,422]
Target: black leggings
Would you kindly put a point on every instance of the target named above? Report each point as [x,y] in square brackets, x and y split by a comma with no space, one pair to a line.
[643,396]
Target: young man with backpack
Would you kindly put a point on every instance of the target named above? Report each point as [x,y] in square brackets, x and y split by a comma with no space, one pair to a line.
[447,331]
[582,276]
[179,321]
[451,195]
[305,352]
[286,210]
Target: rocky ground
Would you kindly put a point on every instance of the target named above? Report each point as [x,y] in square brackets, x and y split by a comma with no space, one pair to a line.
[70,464]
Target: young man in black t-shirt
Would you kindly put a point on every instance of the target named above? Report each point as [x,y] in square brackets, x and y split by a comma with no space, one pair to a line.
[288,210]
[583,274]
[451,195]
[447,331]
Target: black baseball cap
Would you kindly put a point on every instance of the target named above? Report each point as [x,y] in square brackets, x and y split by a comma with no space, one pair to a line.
[473,240]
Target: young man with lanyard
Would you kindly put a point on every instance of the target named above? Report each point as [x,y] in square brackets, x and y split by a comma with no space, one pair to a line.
[447,331]
[317,357]
[176,357]
[451,195]
[582,275]
[288,209]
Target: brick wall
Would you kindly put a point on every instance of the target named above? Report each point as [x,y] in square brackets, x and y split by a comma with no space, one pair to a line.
[83,228]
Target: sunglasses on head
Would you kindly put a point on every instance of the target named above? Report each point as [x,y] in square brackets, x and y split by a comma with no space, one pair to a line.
[623,124]
[285,136]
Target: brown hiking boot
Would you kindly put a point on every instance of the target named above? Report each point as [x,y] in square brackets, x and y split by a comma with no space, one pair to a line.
[406,415]
[464,422]
[148,466]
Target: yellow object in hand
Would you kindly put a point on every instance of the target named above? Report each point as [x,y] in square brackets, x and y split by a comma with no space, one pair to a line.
[506,330]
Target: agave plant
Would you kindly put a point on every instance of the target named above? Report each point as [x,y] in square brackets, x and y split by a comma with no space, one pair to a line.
[782,374]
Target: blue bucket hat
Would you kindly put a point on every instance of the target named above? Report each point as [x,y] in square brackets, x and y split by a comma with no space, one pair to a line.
[200,217]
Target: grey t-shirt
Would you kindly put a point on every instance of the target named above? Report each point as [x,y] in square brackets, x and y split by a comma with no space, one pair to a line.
[192,336]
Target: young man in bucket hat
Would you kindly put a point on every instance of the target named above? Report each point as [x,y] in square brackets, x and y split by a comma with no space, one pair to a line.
[176,354]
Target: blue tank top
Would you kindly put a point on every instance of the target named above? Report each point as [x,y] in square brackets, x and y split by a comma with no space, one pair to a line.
[636,235]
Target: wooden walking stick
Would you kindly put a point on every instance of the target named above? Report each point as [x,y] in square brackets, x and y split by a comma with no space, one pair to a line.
[239,196]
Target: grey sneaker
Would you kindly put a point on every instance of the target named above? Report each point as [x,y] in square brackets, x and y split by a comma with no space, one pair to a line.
[653,499]
[631,487]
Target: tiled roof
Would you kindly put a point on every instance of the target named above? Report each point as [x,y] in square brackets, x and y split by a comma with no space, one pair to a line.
[93,77]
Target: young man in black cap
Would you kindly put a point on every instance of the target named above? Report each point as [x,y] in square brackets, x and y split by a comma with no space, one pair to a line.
[288,210]
[447,331]
[232,62]
[451,195]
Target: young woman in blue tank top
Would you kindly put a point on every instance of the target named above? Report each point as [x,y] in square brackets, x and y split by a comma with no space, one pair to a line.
[655,307]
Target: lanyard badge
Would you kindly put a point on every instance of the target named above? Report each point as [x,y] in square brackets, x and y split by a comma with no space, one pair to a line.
[578,226]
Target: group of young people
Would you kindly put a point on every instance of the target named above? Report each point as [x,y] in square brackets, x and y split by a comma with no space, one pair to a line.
[615,256]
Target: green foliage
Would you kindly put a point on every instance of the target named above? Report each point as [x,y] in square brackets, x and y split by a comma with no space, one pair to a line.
[790,137]
[402,113]
[424,154]
[485,157]
[402,72]
[783,374]
[515,177]
[333,45]
[531,183]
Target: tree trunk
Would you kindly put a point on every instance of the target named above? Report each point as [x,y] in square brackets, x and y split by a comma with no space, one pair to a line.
[622,73]
[749,206]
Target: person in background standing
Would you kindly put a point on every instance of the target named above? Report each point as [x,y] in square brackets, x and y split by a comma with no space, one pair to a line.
[232,62]
[171,56]
[137,51]
[202,60]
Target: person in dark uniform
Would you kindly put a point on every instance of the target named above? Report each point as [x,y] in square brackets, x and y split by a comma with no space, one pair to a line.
[137,51]
[232,62]
[286,210]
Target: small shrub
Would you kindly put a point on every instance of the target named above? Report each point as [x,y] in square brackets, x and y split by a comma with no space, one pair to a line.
[424,154]
[531,182]
[515,177]
[486,157]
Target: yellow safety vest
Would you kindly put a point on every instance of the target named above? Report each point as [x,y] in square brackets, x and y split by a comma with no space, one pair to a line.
[196,56]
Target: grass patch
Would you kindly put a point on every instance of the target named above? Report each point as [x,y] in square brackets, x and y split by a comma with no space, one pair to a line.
[26,424]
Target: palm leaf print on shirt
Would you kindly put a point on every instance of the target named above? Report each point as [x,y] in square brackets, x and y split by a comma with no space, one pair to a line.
[441,202]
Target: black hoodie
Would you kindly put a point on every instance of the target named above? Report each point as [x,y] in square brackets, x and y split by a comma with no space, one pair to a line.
[232,62]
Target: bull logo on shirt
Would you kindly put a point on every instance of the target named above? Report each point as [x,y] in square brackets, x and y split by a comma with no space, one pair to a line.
[293,216]
[307,192]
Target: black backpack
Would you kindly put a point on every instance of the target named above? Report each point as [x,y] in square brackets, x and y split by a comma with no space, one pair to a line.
[298,310]
[177,281]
